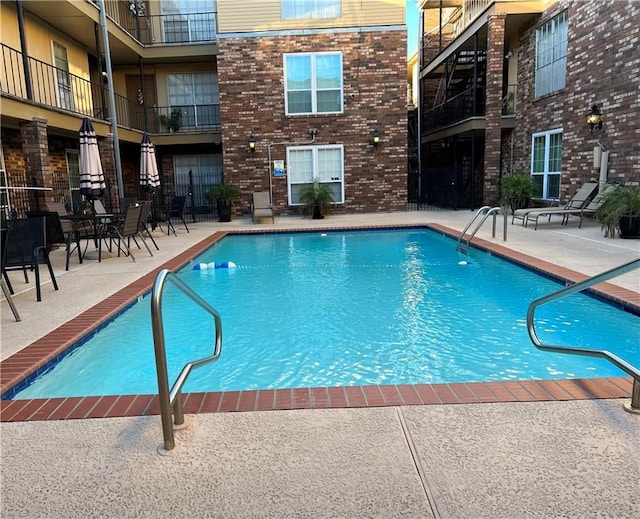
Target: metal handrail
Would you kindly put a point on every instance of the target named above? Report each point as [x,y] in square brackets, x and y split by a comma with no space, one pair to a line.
[171,397]
[487,211]
[573,350]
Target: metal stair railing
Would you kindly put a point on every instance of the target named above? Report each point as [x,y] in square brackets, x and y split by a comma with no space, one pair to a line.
[171,397]
[625,366]
[486,211]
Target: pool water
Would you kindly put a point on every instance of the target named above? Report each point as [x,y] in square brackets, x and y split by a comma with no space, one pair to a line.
[348,308]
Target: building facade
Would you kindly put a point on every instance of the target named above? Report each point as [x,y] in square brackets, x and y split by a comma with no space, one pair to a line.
[506,87]
[310,81]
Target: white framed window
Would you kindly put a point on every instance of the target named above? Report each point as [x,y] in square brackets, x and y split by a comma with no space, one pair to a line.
[61,62]
[313,83]
[551,55]
[297,9]
[306,164]
[546,163]
[188,20]
[196,95]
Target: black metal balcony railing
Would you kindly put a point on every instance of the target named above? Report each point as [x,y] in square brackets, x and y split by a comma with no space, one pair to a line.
[161,29]
[185,119]
[54,87]
[456,109]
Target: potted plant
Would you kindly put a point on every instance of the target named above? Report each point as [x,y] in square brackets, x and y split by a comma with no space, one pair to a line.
[620,210]
[517,189]
[316,199]
[173,123]
[223,195]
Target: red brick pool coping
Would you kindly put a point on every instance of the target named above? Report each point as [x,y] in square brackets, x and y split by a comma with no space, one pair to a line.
[16,368]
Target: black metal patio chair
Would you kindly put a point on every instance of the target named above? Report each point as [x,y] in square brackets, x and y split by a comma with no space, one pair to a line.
[26,249]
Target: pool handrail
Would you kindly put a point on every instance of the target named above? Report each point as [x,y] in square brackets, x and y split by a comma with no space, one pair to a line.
[625,366]
[169,397]
[487,211]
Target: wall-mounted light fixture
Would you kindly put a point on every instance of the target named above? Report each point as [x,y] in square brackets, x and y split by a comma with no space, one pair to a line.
[594,118]
[375,138]
[252,142]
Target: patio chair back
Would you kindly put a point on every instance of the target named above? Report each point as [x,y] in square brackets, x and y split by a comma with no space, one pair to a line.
[262,206]
[26,248]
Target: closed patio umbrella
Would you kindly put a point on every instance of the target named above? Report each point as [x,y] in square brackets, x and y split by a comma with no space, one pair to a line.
[92,184]
[149,177]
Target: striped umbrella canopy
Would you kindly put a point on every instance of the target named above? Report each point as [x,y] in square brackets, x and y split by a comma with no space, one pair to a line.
[92,184]
[149,177]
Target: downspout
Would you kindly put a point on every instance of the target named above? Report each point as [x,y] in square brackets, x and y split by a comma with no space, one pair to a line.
[25,53]
[103,101]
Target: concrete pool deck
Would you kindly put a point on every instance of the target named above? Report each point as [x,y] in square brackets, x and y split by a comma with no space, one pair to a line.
[573,458]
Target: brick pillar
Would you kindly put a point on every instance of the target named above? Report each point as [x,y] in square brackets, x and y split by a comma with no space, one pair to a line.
[108,159]
[493,100]
[35,147]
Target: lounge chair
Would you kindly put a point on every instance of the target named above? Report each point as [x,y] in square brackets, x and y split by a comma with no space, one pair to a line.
[578,201]
[590,209]
[261,207]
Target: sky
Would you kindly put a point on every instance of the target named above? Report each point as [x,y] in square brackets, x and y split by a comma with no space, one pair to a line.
[412,26]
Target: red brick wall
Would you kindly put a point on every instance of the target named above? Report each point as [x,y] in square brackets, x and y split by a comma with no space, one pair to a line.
[493,102]
[252,102]
[603,67]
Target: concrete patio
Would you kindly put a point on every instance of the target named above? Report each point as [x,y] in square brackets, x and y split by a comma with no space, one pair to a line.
[518,460]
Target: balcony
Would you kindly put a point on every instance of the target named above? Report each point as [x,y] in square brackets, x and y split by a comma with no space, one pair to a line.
[455,110]
[168,28]
[58,89]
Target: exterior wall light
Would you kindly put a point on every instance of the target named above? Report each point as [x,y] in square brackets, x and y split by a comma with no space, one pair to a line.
[375,138]
[594,118]
[252,143]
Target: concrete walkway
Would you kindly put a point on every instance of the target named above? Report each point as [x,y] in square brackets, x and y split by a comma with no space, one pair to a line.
[523,460]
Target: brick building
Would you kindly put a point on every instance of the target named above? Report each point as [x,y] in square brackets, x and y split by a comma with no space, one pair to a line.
[506,87]
[221,70]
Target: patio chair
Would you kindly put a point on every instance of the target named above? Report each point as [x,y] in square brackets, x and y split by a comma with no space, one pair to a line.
[59,232]
[26,248]
[3,283]
[176,210]
[589,209]
[128,228]
[178,205]
[144,221]
[578,201]
[126,202]
[261,207]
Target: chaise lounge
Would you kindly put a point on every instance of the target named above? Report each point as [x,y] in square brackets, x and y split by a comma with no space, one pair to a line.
[577,202]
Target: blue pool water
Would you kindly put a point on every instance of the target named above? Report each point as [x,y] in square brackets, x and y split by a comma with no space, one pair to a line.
[348,308]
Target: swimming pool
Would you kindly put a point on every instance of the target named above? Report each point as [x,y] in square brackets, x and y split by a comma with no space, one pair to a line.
[358,308]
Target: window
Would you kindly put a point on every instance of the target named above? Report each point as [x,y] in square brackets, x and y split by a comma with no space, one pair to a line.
[551,55]
[309,163]
[296,9]
[60,61]
[197,97]
[205,171]
[546,163]
[188,20]
[313,83]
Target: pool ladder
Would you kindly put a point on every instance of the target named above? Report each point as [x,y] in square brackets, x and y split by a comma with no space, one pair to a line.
[634,405]
[172,396]
[485,211]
